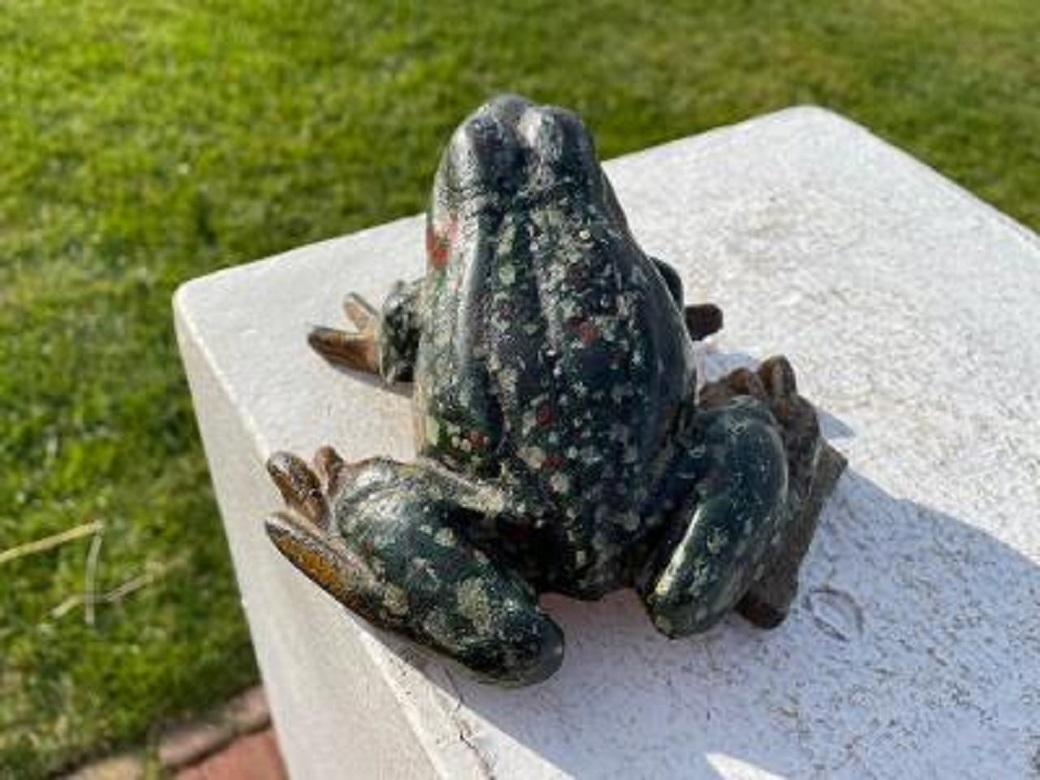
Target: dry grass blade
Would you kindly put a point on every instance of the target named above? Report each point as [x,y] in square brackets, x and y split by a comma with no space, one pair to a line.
[152,574]
[50,542]
[90,581]
[156,572]
[66,606]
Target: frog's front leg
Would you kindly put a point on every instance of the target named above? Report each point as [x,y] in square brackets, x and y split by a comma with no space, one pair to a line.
[384,341]
[730,485]
[701,319]
[390,542]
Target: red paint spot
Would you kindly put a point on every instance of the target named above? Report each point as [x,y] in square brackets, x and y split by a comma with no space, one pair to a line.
[543,415]
[552,461]
[588,333]
[439,243]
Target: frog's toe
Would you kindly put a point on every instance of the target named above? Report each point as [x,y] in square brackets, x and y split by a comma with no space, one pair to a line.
[327,561]
[778,377]
[739,382]
[773,383]
[327,463]
[356,351]
[334,473]
[702,320]
[359,350]
[360,312]
[798,424]
[743,381]
[300,487]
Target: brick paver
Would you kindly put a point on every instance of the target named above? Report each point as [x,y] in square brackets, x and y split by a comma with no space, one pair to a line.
[252,757]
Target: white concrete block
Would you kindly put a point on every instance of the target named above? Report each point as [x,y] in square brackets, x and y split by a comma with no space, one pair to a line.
[912,313]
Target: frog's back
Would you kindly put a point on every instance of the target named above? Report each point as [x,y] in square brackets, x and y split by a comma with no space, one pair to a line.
[554,357]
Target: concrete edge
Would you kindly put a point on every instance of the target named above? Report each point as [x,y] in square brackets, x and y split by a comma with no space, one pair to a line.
[412,710]
[435,720]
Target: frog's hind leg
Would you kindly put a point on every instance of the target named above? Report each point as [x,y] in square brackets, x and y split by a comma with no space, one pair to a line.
[738,416]
[388,541]
[383,342]
[733,478]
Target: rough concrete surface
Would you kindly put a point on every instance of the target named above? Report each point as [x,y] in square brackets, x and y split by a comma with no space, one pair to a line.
[911,311]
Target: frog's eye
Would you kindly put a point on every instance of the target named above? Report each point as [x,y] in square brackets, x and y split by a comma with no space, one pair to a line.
[483,155]
[561,147]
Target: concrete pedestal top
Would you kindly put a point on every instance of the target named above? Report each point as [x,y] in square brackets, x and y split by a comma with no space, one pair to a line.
[911,311]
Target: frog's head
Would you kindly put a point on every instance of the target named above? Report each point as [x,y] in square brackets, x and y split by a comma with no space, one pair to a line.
[509,152]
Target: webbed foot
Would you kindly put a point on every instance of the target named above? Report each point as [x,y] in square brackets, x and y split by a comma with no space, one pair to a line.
[389,541]
[305,535]
[813,470]
[384,341]
[358,351]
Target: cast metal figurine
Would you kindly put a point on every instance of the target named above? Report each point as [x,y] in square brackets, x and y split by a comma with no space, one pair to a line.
[563,444]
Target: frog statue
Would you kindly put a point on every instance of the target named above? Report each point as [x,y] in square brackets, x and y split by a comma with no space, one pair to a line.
[564,444]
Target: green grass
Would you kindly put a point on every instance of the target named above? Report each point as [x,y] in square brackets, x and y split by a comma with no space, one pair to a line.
[144,143]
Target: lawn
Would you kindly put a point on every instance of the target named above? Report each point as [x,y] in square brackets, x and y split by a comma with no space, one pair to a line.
[144,143]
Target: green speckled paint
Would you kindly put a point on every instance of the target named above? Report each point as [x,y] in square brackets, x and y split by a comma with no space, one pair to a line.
[563,447]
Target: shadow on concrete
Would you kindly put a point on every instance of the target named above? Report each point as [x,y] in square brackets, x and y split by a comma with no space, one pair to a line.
[913,648]
[910,647]
[402,389]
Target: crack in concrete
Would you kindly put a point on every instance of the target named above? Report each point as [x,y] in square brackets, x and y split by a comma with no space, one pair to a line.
[465,730]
